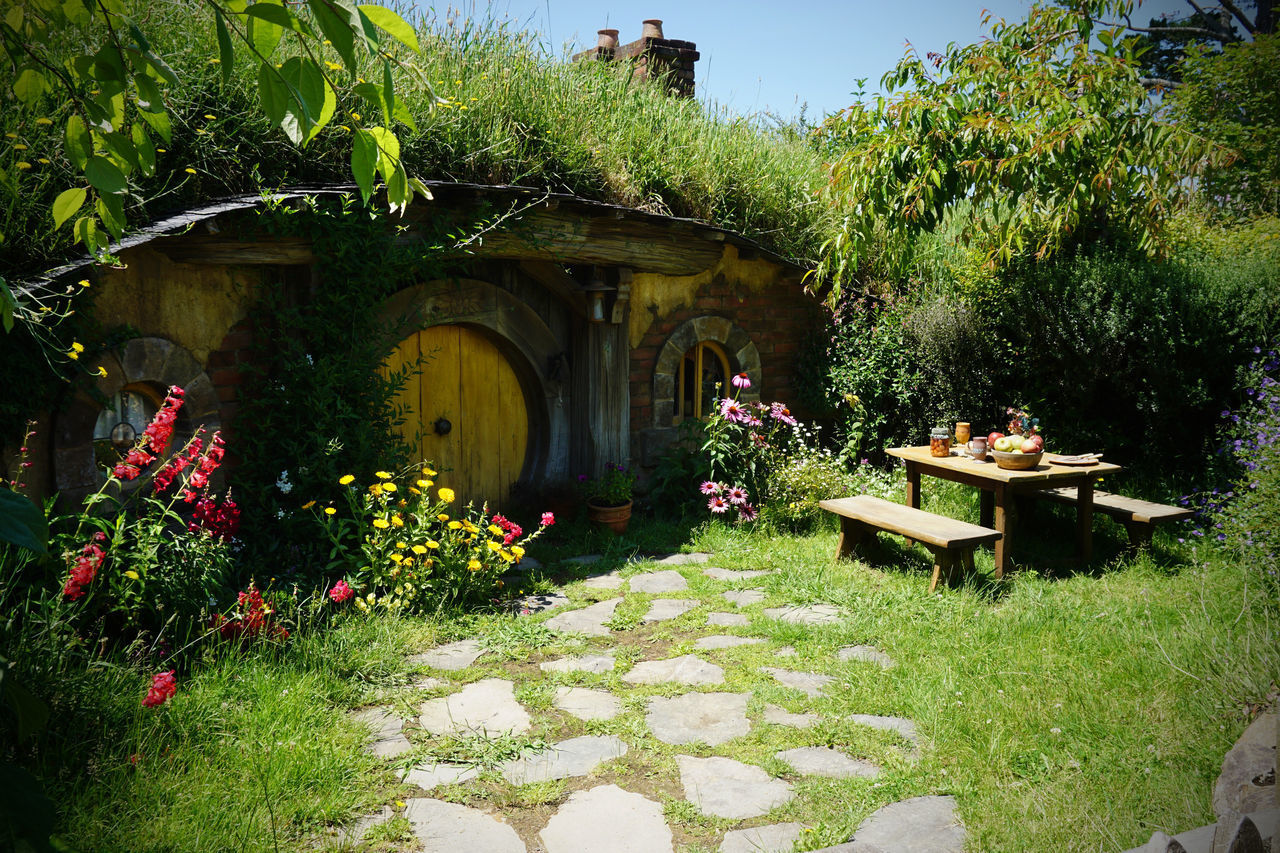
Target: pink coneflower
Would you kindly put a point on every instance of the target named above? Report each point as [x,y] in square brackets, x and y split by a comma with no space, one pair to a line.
[753,421]
[717,504]
[732,410]
[782,413]
[709,488]
[747,512]
[741,381]
[737,495]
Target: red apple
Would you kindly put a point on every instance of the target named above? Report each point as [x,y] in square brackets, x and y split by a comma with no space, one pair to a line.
[1039,442]
[991,439]
[1029,446]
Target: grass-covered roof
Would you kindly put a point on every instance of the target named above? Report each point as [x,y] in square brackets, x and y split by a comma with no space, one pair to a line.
[506,114]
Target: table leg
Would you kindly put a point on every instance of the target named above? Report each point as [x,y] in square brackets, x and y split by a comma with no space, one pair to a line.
[1004,550]
[913,491]
[1084,519]
[986,507]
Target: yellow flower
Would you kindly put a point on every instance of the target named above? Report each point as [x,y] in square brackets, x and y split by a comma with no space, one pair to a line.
[469,527]
[408,561]
[506,556]
[84,282]
[23,165]
[418,549]
[102,371]
[381,523]
[333,66]
[43,161]
[131,574]
[73,355]
[330,511]
[189,170]
[398,521]
[390,487]
[346,479]
[423,484]
[517,550]
[442,517]
[43,120]
[396,557]
[375,489]
[474,565]
[20,147]
[427,472]
[360,603]
[77,346]
[356,116]
[308,504]
[455,525]
[446,494]
[382,475]
[402,545]
[414,491]
[433,544]
[494,546]
[371,598]
[495,530]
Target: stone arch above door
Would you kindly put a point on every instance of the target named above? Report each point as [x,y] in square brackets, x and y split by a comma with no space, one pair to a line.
[157,364]
[533,351]
[741,351]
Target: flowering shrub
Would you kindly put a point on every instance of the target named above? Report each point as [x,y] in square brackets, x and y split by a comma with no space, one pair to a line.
[612,488]
[416,552]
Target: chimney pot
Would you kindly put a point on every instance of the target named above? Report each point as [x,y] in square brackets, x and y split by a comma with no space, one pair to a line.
[652,29]
[607,39]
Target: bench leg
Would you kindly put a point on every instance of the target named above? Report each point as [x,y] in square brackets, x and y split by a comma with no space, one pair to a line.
[943,560]
[1139,534]
[913,491]
[852,534]
[967,565]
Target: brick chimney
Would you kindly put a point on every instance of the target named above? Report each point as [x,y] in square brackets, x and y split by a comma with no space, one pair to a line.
[652,56]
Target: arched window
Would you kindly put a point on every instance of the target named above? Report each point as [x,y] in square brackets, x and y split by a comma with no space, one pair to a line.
[118,426]
[703,374]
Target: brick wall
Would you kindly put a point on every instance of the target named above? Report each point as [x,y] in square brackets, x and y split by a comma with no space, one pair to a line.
[224,372]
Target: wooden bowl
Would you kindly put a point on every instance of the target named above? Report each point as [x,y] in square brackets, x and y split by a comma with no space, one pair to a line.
[1016,461]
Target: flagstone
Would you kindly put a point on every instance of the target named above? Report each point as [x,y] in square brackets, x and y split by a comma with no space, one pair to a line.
[809,683]
[668,581]
[428,776]
[918,825]
[811,614]
[587,620]
[785,652]
[727,619]
[869,654]
[451,657]
[542,602]
[780,716]
[429,682]
[774,838]
[613,580]
[824,761]
[388,732]
[683,559]
[743,597]
[662,609]
[587,704]
[595,663]
[724,641]
[483,706]
[719,574]
[574,757]
[722,787]
[711,718]
[901,725]
[607,819]
[685,669]
[354,833]
[584,560]
[449,827]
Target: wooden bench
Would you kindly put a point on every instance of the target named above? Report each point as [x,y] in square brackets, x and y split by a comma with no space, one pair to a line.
[950,541]
[1138,517]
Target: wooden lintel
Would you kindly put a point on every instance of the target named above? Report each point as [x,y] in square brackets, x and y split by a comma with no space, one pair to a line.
[218,249]
[553,277]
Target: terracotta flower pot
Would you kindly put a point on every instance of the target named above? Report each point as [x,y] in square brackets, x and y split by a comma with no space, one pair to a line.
[615,517]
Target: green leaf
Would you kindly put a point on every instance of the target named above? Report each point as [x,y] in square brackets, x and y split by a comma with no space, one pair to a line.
[149,97]
[146,151]
[30,86]
[421,188]
[364,162]
[67,204]
[280,105]
[264,35]
[26,808]
[388,150]
[398,194]
[160,124]
[312,93]
[78,144]
[87,232]
[121,147]
[8,305]
[108,65]
[105,176]
[279,16]
[337,31]
[226,52]
[111,211]
[22,523]
[394,25]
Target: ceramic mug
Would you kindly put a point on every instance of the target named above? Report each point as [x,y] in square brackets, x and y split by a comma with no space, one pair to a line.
[978,448]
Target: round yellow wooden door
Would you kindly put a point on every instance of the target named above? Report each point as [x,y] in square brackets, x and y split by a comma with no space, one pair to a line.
[465,412]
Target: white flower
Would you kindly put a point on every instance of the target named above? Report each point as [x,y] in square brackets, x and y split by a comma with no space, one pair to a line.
[283,484]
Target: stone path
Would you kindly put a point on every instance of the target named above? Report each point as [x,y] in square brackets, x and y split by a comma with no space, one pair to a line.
[573,727]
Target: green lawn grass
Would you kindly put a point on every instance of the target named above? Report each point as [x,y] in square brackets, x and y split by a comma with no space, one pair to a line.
[1064,710]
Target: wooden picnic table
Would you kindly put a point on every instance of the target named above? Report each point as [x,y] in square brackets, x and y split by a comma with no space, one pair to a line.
[1001,486]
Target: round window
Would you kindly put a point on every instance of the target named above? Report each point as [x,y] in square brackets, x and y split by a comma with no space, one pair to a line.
[119,425]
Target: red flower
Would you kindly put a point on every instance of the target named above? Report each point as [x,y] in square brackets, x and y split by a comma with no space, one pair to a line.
[548,519]
[341,592]
[84,570]
[163,688]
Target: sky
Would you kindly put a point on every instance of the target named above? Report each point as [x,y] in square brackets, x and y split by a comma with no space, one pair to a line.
[760,56]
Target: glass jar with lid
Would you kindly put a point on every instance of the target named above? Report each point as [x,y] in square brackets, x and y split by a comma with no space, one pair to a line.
[939,442]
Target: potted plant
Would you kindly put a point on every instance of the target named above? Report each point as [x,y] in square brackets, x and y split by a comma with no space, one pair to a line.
[609,496]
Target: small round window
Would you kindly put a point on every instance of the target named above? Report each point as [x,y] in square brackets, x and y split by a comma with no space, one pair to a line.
[703,374]
[126,415]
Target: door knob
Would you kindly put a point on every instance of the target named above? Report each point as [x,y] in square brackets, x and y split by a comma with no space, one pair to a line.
[442,426]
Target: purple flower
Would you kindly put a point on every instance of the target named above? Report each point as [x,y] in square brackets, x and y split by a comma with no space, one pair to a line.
[737,495]
[709,488]
[717,504]
[782,413]
[741,381]
[747,512]
[732,411]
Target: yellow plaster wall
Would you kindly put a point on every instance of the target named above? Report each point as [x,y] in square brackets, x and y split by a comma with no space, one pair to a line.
[193,305]
[654,295]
